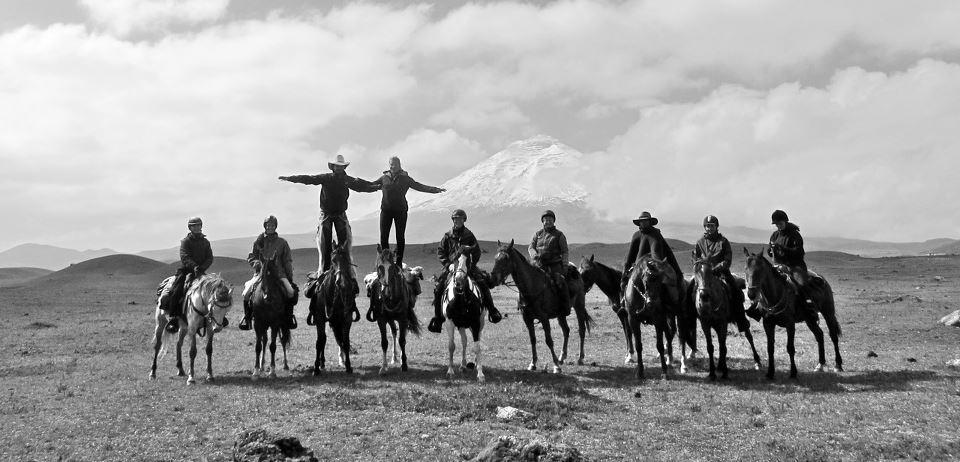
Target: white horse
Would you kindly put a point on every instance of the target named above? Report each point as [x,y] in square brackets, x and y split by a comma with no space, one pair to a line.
[463,309]
[207,302]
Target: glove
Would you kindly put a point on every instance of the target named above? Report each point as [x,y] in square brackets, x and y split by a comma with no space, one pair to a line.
[284,178]
[257,266]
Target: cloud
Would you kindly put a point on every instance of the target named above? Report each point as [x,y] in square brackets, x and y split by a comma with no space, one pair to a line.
[122,17]
[871,155]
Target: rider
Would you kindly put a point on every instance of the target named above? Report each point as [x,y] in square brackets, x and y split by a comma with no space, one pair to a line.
[195,257]
[786,248]
[549,251]
[268,246]
[393,207]
[649,241]
[715,250]
[334,191]
[460,239]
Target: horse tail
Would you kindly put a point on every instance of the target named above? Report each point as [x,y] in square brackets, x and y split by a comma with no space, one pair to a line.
[166,339]
[583,316]
[285,339]
[828,308]
[413,323]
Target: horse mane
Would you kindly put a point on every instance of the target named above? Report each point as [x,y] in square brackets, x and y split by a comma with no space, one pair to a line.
[609,269]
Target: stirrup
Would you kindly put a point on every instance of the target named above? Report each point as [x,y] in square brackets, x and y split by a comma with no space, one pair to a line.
[436,325]
[494,316]
[310,320]
[244,324]
[292,322]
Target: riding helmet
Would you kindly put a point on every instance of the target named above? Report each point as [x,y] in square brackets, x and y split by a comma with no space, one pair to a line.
[194,221]
[270,219]
[459,213]
[779,215]
[710,219]
[548,213]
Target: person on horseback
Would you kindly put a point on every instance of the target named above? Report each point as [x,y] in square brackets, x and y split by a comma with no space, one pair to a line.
[649,241]
[549,252]
[395,183]
[195,257]
[786,248]
[715,249]
[270,245]
[460,239]
[334,191]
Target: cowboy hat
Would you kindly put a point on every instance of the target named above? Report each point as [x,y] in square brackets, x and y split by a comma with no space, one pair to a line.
[646,216]
[338,161]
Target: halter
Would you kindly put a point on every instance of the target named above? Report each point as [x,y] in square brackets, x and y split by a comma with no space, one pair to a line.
[208,315]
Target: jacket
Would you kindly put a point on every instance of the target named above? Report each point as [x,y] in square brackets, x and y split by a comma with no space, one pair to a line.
[335,189]
[195,253]
[549,247]
[786,247]
[452,241]
[269,246]
[715,250]
[395,188]
[650,242]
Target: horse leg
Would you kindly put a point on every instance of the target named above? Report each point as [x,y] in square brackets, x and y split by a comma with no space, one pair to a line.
[463,350]
[157,342]
[320,362]
[395,358]
[383,344]
[533,342]
[193,356]
[661,328]
[669,331]
[548,338]
[791,331]
[478,350]
[258,352]
[708,339]
[403,345]
[273,352]
[814,326]
[345,347]
[770,328]
[180,338]
[756,357]
[284,341]
[722,339]
[835,338]
[565,329]
[451,347]
[635,330]
[631,355]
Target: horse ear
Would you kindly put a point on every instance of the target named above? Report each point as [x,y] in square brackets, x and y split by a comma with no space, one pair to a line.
[499,244]
[511,243]
[591,258]
[379,248]
[746,252]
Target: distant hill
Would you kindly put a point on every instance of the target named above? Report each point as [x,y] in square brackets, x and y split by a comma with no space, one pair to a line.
[16,276]
[103,268]
[952,247]
[47,256]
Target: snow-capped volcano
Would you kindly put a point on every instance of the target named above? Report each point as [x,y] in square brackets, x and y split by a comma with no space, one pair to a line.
[536,172]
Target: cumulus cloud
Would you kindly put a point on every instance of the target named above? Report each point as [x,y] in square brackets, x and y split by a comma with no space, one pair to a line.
[125,16]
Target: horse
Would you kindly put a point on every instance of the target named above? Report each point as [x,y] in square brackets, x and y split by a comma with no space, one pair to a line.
[715,307]
[268,302]
[607,280]
[392,299]
[463,309]
[539,302]
[645,306]
[781,305]
[335,302]
[207,301]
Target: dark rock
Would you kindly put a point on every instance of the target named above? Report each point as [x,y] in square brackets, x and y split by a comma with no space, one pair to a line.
[512,449]
[911,360]
[871,354]
[262,446]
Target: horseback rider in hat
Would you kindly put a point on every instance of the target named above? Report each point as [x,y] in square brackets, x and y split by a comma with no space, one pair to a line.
[649,241]
[716,252]
[460,239]
[270,245]
[195,257]
[395,183]
[549,251]
[334,191]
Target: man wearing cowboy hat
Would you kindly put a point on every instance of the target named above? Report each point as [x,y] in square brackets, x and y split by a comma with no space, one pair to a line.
[649,241]
[549,251]
[714,249]
[334,191]
[459,239]
[195,257]
[270,246]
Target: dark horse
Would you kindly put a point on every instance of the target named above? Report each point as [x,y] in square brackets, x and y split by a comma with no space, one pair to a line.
[392,299]
[335,301]
[644,302]
[538,301]
[608,280]
[267,300]
[781,306]
[715,306]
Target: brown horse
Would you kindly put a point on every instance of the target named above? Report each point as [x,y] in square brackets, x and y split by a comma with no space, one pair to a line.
[392,301]
[781,305]
[607,280]
[267,300]
[335,301]
[538,301]
[643,302]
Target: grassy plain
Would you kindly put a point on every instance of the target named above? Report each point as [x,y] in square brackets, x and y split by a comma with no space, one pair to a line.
[76,356]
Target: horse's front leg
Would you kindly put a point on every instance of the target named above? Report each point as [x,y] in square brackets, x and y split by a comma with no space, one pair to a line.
[209,351]
[451,348]
[193,356]
[814,326]
[345,347]
[669,331]
[770,328]
[157,343]
[403,345]
[463,350]
[549,339]
[661,327]
[383,344]
[756,356]
[180,338]
[395,357]
[533,342]
[631,356]
[565,330]
[259,353]
[708,339]
[635,330]
[273,352]
[320,362]
[722,339]
[478,349]
[791,333]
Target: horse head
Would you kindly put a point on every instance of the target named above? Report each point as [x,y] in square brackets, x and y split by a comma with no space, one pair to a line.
[652,278]
[756,269]
[710,295]
[460,273]
[392,284]
[588,269]
[270,277]
[345,285]
[505,262]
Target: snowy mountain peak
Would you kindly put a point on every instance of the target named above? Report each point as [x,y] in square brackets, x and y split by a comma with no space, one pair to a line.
[536,172]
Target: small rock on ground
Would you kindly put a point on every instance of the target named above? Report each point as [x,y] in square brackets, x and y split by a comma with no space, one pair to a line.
[510,413]
[262,446]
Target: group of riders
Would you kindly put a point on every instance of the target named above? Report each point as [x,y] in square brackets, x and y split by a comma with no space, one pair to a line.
[548,248]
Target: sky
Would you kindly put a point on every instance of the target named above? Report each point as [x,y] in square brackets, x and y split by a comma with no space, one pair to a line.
[122,118]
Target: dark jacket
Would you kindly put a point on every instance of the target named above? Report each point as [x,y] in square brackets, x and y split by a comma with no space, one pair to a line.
[269,246]
[335,189]
[195,253]
[786,247]
[395,190]
[452,241]
[650,242]
[550,247]
[715,250]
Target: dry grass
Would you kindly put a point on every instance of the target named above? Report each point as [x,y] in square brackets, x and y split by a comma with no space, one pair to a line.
[73,378]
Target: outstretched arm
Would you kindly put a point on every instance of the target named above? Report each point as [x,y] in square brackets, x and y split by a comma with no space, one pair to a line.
[417,186]
[307,179]
[361,185]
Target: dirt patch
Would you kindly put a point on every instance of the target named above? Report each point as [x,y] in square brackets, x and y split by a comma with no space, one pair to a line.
[508,448]
[263,446]
[39,325]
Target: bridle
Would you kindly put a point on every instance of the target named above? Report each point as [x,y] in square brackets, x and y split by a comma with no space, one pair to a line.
[775,309]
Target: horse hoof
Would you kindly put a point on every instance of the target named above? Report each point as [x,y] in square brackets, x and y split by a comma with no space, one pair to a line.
[481,379]
[191,381]
[273,374]
[532,367]
[664,376]
[471,366]
[556,370]
[383,371]
[769,377]
[756,367]
[724,377]
[580,362]
[153,376]
[839,368]
[316,372]
[181,374]
[209,378]
[819,368]
[683,369]
[713,377]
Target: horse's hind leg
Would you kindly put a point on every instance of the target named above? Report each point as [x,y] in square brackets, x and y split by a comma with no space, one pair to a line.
[814,326]
[320,362]
[565,330]
[180,338]
[547,337]
[834,328]
[533,343]
[791,350]
[157,343]
[631,355]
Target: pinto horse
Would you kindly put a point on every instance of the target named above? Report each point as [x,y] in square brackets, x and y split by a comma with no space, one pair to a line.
[607,280]
[462,307]
[538,301]
[335,301]
[268,306]
[208,300]
[781,305]
[392,299]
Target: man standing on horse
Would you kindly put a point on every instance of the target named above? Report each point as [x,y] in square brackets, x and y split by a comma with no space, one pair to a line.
[195,257]
[334,191]
[460,239]
[649,241]
[549,252]
[714,249]
[270,246]
[395,183]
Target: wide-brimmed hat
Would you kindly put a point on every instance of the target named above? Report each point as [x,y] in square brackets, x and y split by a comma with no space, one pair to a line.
[338,161]
[646,216]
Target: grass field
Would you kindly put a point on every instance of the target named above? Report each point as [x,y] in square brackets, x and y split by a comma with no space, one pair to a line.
[76,357]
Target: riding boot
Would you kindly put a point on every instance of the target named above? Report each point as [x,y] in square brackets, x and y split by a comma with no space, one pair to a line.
[173,315]
[247,312]
[436,324]
[754,312]
[291,319]
[493,314]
